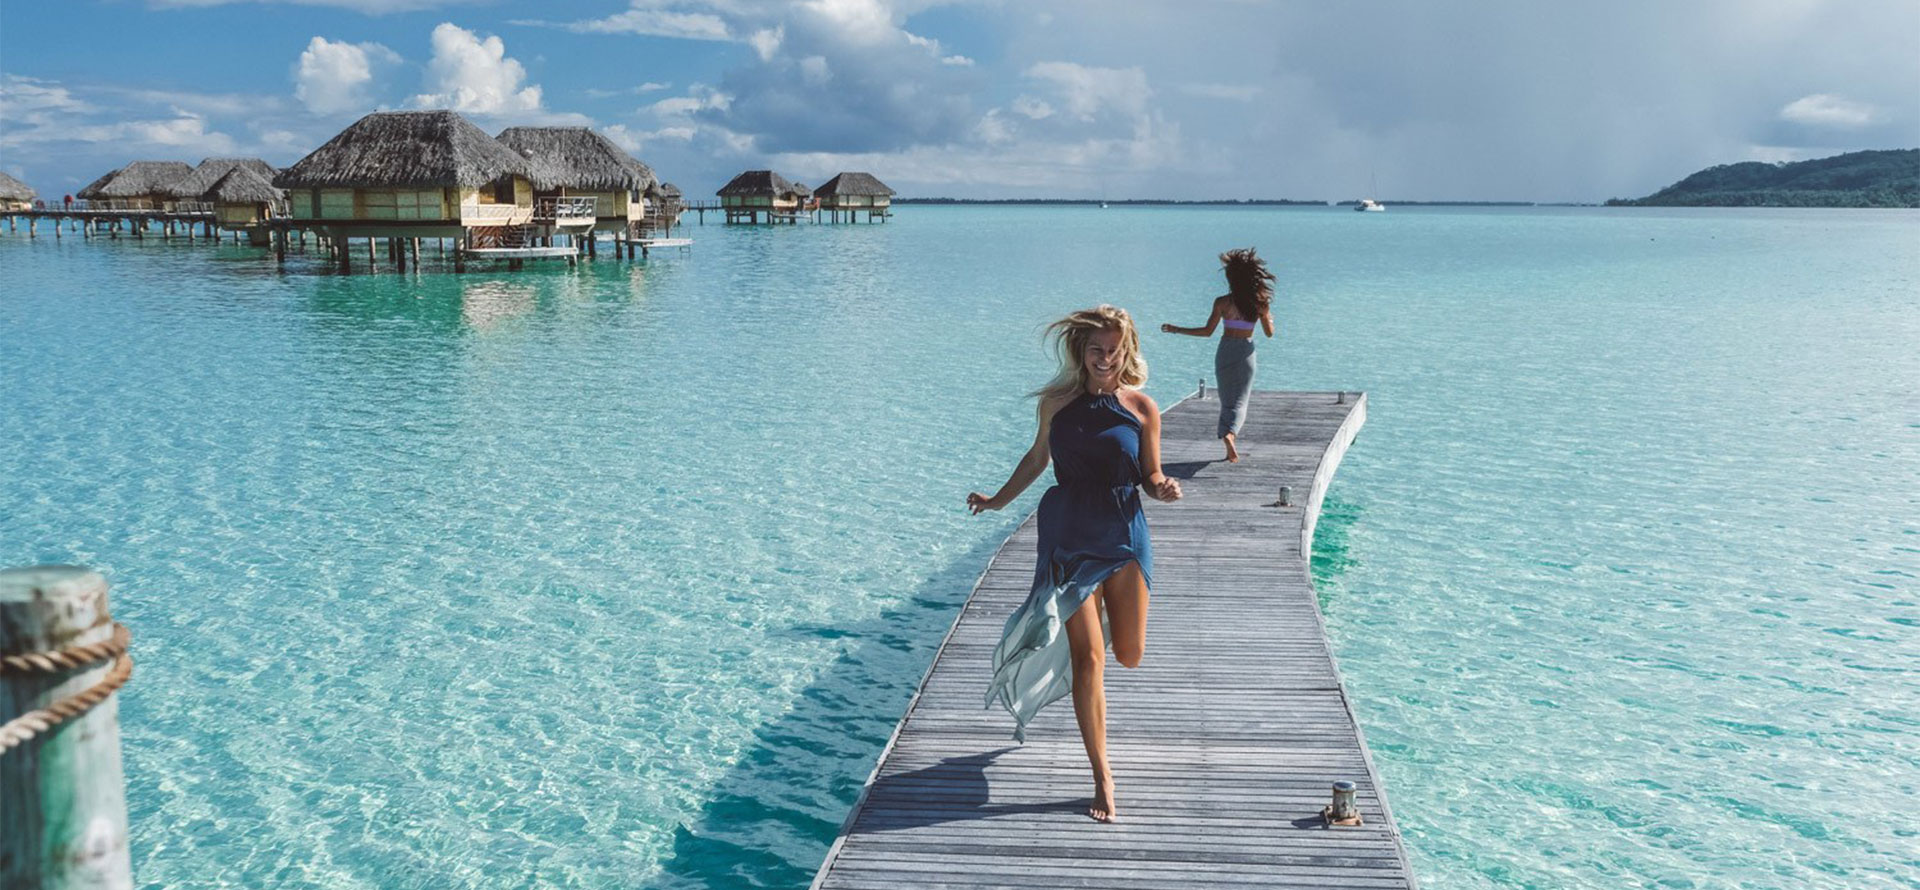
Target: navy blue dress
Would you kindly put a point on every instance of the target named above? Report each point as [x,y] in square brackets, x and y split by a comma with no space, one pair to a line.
[1091,526]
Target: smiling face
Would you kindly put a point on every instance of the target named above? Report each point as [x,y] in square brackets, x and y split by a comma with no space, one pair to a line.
[1103,358]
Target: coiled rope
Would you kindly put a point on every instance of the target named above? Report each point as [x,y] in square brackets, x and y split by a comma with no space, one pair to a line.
[35,722]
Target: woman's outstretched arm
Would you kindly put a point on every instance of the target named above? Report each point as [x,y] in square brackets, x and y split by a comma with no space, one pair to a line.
[1030,467]
[1213,321]
[1266,321]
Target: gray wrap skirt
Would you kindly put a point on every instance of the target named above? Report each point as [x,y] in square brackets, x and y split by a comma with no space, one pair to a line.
[1233,368]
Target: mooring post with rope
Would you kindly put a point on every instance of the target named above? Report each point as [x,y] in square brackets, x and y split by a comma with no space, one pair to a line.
[63,801]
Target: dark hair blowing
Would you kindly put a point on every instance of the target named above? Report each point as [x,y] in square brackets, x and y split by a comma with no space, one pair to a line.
[1248,282]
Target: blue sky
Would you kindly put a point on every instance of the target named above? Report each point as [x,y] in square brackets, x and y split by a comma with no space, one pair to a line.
[1494,100]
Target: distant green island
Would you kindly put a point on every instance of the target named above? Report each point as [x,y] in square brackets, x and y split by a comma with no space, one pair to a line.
[1855,179]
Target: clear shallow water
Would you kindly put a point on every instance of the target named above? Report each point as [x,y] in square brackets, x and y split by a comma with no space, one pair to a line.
[622,577]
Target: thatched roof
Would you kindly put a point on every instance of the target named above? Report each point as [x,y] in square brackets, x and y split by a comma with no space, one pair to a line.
[12,189]
[757,182]
[853,184]
[138,179]
[401,149]
[575,158]
[664,190]
[241,185]
[210,171]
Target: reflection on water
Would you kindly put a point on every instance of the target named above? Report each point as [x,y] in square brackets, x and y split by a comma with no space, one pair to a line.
[485,304]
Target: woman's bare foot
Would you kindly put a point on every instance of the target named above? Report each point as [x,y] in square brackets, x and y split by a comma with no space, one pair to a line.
[1233,454]
[1103,809]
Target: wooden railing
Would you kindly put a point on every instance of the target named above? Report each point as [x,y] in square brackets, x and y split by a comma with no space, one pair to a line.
[124,205]
[494,214]
[561,211]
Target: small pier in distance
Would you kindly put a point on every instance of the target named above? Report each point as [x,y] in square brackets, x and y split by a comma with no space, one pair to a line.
[1226,741]
[107,218]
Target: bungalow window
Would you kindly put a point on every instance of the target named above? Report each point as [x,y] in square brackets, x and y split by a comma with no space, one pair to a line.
[503,190]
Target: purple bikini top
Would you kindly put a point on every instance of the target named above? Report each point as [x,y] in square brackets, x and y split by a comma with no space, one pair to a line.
[1235,324]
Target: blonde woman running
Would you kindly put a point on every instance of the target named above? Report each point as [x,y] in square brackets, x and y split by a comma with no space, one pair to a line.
[1247,302]
[1102,435]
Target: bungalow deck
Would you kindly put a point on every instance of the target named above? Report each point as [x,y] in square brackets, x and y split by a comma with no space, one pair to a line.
[1225,741]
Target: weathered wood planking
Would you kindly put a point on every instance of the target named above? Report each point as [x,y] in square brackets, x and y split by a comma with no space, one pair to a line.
[1225,742]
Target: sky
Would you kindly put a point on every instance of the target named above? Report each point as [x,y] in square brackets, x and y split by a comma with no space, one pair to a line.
[1514,100]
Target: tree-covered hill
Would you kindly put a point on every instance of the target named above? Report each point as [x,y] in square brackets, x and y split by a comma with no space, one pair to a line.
[1855,179]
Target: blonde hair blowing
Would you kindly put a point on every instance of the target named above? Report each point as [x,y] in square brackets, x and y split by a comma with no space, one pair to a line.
[1070,336]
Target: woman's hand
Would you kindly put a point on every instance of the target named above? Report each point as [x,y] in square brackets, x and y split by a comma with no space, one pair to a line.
[980,503]
[1167,489]
[1166,328]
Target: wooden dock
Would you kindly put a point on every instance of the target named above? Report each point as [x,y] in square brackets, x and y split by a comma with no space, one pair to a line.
[1225,742]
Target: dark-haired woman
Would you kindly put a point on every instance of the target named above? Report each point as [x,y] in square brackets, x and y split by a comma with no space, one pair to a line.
[1247,302]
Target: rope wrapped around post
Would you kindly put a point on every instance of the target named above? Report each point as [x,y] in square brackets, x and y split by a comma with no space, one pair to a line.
[71,658]
[63,807]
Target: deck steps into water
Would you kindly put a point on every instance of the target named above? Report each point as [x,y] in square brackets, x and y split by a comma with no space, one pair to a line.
[1225,742]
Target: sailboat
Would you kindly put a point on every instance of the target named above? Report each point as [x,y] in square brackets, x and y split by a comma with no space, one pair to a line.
[1369,204]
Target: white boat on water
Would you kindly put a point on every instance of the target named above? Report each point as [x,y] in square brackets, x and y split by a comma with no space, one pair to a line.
[1369,204]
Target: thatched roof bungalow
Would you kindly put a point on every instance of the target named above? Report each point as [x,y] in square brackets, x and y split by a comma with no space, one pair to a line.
[14,194]
[666,192]
[664,206]
[402,174]
[577,163]
[242,198]
[141,185]
[194,186]
[855,193]
[755,192]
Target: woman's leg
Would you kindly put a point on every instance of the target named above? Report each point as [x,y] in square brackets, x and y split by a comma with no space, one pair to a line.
[1087,643]
[1124,594]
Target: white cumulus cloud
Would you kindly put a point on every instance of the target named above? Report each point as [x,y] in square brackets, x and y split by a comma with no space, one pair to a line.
[1085,90]
[333,76]
[1033,109]
[471,74]
[766,42]
[1827,110]
[657,23]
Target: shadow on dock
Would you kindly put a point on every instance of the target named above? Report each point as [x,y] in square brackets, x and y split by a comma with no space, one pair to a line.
[773,816]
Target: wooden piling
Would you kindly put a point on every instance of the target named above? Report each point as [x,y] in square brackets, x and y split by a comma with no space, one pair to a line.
[63,809]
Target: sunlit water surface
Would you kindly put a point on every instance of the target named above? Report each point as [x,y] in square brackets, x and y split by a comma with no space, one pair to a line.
[621,577]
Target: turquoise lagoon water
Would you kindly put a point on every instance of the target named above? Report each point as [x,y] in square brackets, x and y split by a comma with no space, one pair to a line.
[621,577]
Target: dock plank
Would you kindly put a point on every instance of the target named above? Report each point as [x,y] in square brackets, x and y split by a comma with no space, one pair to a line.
[1225,741]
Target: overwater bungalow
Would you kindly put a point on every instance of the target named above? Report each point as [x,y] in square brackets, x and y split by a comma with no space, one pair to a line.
[581,181]
[756,192]
[244,201]
[14,195]
[854,194]
[407,175]
[665,203]
[141,185]
[195,185]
